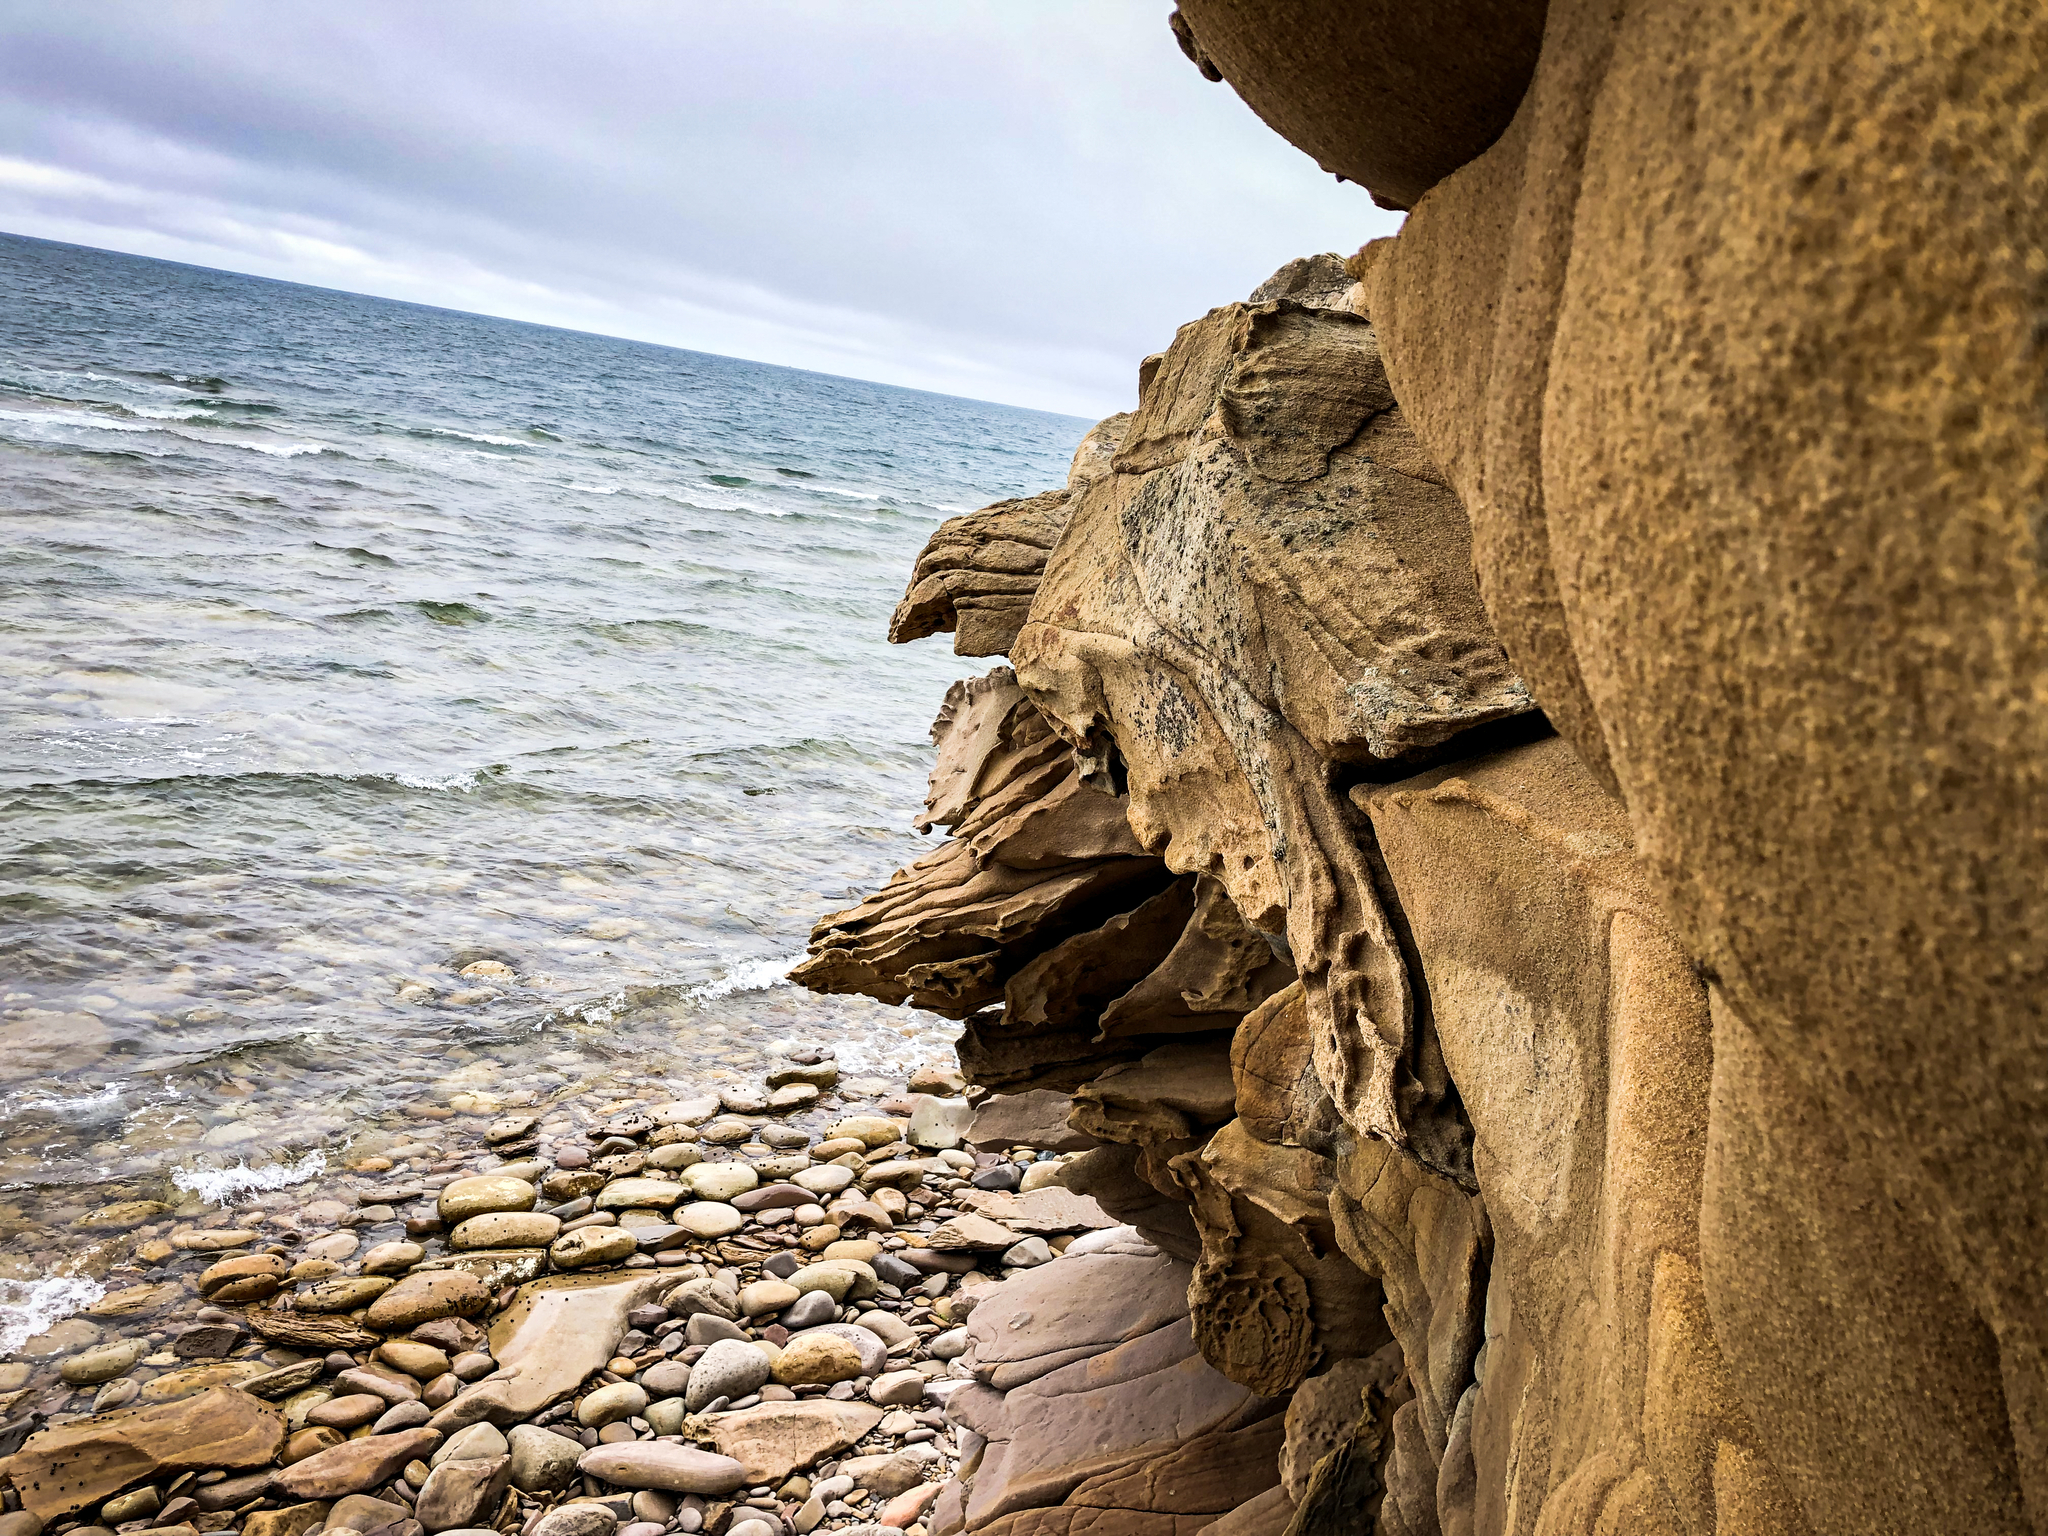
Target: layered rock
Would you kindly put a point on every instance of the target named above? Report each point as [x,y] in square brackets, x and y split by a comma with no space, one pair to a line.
[1410,1056]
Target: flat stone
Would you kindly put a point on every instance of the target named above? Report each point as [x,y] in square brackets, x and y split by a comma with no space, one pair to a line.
[363,1512]
[868,1130]
[939,1124]
[719,1181]
[972,1234]
[708,1218]
[772,1197]
[347,1413]
[666,1378]
[622,1194]
[684,1111]
[422,1362]
[354,1465]
[742,1101]
[1028,1254]
[102,1362]
[672,1468]
[423,1296]
[577,1520]
[821,1074]
[1037,1119]
[826,1179]
[1047,1211]
[788,1100]
[713,1295]
[506,1229]
[542,1461]
[510,1128]
[557,1334]
[344,1293]
[587,1247]
[135,1300]
[729,1369]
[62,1470]
[484,1194]
[194,1379]
[777,1439]
[462,1494]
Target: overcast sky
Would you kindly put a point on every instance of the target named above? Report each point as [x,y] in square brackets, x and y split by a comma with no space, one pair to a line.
[1013,200]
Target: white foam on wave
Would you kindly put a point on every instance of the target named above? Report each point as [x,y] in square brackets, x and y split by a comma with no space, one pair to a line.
[30,1307]
[223,1186]
[171,412]
[77,1104]
[91,422]
[461,783]
[747,976]
[481,437]
[596,490]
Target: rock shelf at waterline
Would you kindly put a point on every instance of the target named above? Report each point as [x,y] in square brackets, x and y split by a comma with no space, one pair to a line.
[617,1311]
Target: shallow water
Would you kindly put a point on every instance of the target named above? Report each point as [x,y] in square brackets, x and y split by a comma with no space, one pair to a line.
[346,643]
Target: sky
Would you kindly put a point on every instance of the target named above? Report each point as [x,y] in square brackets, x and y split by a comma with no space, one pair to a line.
[1013,200]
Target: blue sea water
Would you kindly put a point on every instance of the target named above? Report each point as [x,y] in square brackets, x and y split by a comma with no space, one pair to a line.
[346,643]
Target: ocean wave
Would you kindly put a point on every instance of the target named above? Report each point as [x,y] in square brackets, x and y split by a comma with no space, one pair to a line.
[748,976]
[461,783]
[89,421]
[474,437]
[223,1186]
[30,1307]
[595,490]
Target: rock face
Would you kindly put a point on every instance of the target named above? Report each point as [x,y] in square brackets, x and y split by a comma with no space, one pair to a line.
[1526,1104]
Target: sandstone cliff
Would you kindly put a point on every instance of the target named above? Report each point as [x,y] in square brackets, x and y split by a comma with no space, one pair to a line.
[1534,895]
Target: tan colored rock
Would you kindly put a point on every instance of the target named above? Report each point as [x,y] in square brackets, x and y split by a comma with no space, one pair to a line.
[506,1229]
[191,1379]
[424,1296]
[484,1194]
[254,1277]
[461,1495]
[976,576]
[816,1359]
[777,1439]
[63,1470]
[654,1464]
[557,1334]
[1395,99]
[292,1520]
[304,1331]
[1270,486]
[343,1293]
[355,1465]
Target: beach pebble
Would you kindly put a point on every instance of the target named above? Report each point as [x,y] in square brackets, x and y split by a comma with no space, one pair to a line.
[897,1389]
[424,1296]
[542,1461]
[727,1369]
[762,1297]
[708,1218]
[825,1179]
[660,1464]
[588,1246]
[423,1362]
[479,1442]
[1028,1254]
[809,1309]
[506,1229]
[254,1277]
[102,1363]
[482,1195]
[950,1345]
[608,1405]
[817,1359]
[576,1520]
[719,1181]
[392,1258]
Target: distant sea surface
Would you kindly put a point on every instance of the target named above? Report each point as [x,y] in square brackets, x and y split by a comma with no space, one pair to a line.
[350,643]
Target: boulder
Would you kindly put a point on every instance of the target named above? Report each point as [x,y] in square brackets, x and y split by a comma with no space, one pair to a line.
[60,1471]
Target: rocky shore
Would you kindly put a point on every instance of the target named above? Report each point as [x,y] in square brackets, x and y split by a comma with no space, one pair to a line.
[741,1315]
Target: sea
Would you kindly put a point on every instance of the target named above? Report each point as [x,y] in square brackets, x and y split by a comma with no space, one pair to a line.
[348,645]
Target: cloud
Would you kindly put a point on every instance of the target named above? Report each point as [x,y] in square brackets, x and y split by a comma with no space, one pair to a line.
[1010,202]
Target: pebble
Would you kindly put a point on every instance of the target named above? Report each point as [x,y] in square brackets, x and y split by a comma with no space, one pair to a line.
[608,1405]
[729,1369]
[708,1218]
[659,1464]
[817,1359]
[483,1195]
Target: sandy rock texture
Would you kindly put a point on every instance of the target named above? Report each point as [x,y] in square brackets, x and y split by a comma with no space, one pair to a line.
[1597,651]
